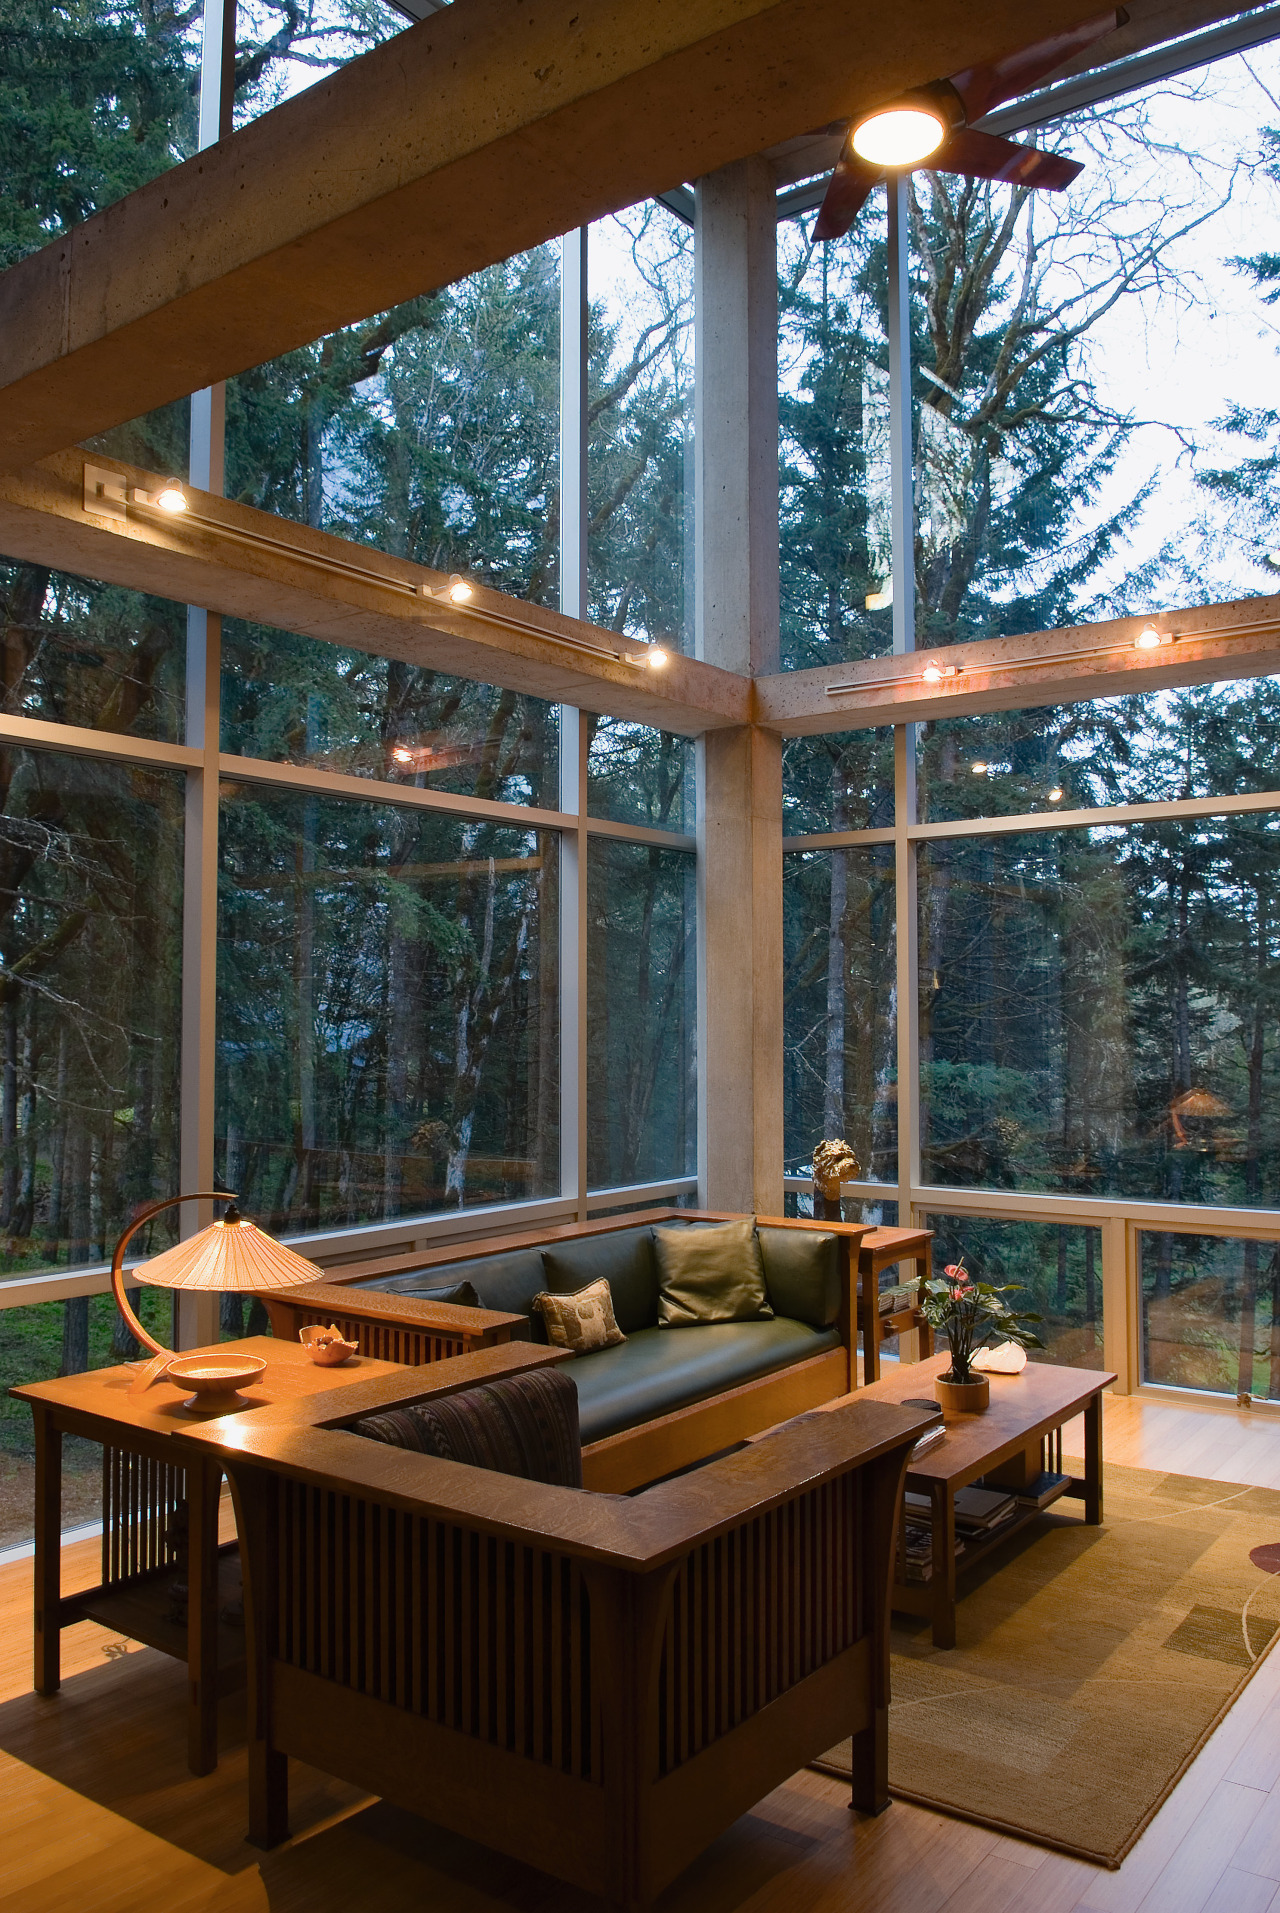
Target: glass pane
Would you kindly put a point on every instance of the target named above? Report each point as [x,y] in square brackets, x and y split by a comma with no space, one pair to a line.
[1211,1313]
[76,652]
[842,780]
[637,775]
[640,433]
[432,431]
[282,47]
[387,1011]
[1090,438]
[1096,1011]
[1217,740]
[840,1027]
[37,1344]
[641,1014]
[1057,1266]
[97,102]
[301,701]
[833,400]
[90,954]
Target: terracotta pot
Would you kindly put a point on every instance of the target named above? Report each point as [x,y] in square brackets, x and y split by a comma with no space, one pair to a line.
[963,1398]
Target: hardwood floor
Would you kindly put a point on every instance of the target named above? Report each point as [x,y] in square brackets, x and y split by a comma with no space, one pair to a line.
[98,1811]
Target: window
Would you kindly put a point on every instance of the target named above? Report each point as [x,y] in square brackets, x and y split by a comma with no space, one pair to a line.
[300,700]
[90,993]
[840,1027]
[1057,1266]
[1211,1313]
[641,1014]
[387,1010]
[1096,1011]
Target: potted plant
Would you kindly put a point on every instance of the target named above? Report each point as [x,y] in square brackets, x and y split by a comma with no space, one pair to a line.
[971,1315]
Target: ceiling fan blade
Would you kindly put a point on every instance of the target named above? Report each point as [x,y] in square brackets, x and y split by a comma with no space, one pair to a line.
[983,156]
[982,88]
[847,192]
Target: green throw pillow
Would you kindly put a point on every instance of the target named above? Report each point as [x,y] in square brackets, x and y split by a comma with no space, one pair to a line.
[710,1275]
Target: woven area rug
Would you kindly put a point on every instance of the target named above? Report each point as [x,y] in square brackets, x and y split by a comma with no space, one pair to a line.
[1091,1663]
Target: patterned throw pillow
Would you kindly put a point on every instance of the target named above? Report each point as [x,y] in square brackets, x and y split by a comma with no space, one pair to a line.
[581,1321]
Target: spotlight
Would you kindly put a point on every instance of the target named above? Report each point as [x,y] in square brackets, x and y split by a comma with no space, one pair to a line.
[899,135]
[401,755]
[979,769]
[1149,639]
[171,497]
[1055,795]
[457,591]
[932,674]
[653,655]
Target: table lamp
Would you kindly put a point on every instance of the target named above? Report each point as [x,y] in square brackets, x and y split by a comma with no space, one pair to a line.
[232,1253]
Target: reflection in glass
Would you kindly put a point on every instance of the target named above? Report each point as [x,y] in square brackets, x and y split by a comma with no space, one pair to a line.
[431,431]
[639,775]
[1216,740]
[841,780]
[90,994]
[387,1012]
[1057,1265]
[76,652]
[282,47]
[1210,1313]
[640,433]
[299,700]
[833,400]
[840,1026]
[641,1014]
[1097,1011]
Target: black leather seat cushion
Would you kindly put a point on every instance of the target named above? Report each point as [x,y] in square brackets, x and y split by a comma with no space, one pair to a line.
[657,1370]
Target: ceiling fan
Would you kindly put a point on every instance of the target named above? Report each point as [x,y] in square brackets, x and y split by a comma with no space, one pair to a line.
[932,126]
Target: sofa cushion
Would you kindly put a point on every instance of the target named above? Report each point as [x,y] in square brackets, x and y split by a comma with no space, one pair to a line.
[508,1281]
[623,1258]
[710,1275]
[525,1425]
[802,1269]
[656,1371]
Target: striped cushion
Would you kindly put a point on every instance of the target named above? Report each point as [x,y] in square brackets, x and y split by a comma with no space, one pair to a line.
[525,1425]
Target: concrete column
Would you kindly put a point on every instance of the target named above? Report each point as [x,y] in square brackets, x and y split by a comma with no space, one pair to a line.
[740,770]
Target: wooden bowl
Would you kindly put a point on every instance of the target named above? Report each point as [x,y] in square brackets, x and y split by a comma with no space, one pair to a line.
[325,1349]
[214,1379]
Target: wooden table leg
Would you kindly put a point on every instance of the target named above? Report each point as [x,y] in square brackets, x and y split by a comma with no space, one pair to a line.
[48,1553]
[204,1485]
[1093,1459]
[942,1523]
[869,1310]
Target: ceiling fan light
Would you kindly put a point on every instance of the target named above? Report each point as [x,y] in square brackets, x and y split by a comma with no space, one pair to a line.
[899,135]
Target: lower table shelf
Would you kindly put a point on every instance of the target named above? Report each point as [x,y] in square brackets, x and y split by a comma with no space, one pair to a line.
[144,1609]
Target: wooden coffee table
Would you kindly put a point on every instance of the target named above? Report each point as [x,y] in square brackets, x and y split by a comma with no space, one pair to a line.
[159,1520]
[1009,1444]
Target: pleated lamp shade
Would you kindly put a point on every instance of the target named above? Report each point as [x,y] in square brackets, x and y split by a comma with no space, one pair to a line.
[232,1253]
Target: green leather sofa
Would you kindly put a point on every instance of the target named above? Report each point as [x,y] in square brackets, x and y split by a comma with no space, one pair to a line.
[666,1396]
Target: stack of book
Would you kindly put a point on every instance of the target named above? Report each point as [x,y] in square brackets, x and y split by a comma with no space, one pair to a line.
[981,1511]
[918,1548]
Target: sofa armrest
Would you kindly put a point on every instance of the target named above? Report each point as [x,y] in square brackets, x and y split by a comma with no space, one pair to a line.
[397,1328]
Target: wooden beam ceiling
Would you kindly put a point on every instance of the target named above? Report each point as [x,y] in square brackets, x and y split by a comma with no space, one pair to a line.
[253,565]
[489,127]
[1218,641]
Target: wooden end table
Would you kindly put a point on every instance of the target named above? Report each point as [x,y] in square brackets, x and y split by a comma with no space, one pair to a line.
[883,1249]
[159,1520]
[1009,1444]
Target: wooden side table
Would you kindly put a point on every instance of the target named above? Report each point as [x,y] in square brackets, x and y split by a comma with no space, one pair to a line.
[159,1521]
[882,1249]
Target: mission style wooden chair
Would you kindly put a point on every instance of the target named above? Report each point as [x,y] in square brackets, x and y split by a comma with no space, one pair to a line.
[598,1685]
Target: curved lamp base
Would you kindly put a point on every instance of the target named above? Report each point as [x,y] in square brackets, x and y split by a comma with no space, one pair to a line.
[162,1356]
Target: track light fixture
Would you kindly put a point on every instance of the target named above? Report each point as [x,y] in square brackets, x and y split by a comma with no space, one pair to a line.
[653,656]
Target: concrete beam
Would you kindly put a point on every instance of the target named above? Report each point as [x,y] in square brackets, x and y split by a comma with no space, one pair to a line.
[1238,639]
[251,564]
[487,128]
